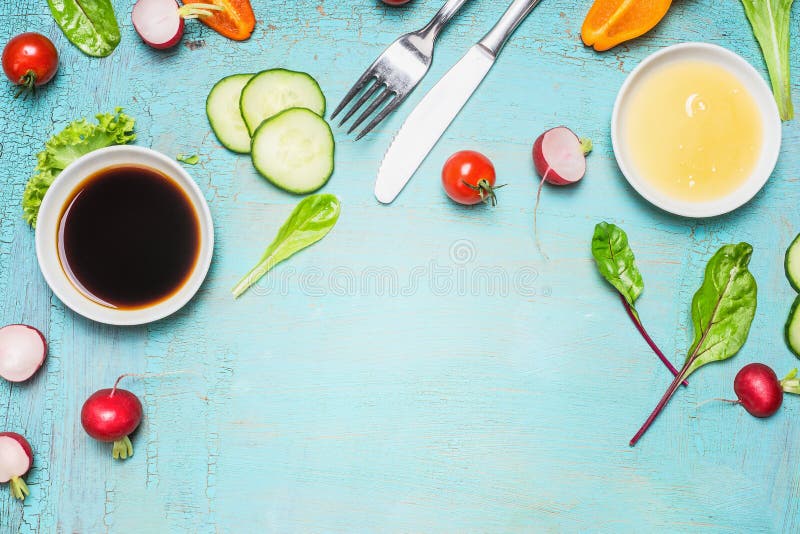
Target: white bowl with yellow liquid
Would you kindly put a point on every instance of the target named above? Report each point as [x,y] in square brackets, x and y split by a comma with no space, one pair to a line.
[696,130]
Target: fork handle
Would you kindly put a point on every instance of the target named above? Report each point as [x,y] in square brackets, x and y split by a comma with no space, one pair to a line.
[516,13]
[440,20]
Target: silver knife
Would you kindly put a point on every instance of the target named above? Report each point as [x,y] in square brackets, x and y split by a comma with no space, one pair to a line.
[429,120]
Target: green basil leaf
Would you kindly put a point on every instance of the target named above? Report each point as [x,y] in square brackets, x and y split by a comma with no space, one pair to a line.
[616,262]
[310,221]
[88,24]
[723,308]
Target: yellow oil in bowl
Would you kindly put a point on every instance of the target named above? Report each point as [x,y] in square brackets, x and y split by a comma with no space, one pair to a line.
[693,130]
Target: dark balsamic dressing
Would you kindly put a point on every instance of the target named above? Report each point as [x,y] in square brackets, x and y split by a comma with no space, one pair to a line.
[128,237]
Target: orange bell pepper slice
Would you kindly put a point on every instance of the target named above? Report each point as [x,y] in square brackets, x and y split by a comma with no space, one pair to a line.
[236,20]
[611,22]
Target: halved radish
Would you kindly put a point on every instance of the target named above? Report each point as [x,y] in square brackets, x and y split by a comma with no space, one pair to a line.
[16,458]
[560,156]
[22,352]
[160,23]
[560,159]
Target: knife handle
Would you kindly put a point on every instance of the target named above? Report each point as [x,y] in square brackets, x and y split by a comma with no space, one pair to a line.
[440,20]
[497,36]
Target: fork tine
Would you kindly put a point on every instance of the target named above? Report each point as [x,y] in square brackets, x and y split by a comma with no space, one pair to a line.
[353,92]
[384,96]
[390,107]
[360,102]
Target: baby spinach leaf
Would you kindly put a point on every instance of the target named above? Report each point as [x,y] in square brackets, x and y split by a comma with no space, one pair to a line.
[310,221]
[722,312]
[88,24]
[616,262]
[723,308]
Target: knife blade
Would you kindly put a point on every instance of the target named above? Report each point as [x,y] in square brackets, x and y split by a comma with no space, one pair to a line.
[437,110]
[429,120]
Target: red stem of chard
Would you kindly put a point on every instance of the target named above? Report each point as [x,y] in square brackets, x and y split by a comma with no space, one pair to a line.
[640,327]
[663,402]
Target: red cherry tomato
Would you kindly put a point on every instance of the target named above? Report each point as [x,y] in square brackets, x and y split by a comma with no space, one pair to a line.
[468,178]
[30,60]
[396,2]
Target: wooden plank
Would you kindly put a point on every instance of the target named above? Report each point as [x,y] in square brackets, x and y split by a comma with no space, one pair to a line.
[422,368]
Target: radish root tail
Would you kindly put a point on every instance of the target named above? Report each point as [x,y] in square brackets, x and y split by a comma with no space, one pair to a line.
[536,216]
[729,401]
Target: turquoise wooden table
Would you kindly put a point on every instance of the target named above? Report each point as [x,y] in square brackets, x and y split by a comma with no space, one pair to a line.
[423,368]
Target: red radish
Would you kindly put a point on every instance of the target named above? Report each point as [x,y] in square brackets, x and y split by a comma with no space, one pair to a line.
[560,159]
[112,415]
[22,352]
[16,458]
[160,23]
[758,389]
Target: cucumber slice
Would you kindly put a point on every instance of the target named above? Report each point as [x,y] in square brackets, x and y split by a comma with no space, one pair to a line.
[224,113]
[792,330]
[294,150]
[276,90]
[792,264]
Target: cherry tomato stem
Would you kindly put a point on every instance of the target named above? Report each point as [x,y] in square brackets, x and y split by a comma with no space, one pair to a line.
[485,190]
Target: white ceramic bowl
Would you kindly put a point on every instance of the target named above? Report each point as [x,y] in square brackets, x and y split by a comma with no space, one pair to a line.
[49,218]
[762,95]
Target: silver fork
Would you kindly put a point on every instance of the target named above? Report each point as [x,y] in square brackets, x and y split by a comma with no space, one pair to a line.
[398,71]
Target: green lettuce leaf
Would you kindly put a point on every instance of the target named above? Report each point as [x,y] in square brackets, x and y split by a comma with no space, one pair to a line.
[310,221]
[770,22]
[77,139]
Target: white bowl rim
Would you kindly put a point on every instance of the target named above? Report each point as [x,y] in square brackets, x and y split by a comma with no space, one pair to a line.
[50,215]
[761,93]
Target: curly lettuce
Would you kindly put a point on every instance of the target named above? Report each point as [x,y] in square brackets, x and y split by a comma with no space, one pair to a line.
[77,139]
[770,22]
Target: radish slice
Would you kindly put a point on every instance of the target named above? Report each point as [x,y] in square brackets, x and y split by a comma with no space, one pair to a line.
[160,23]
[16,458]
[22,352]
[560,159]
[560,156]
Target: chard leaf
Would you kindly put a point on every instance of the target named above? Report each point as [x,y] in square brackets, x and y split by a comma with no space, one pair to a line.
[770,22]
[88,24]
[77,139]
[616,262]
[722,312]
[723,308]
[310,221]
